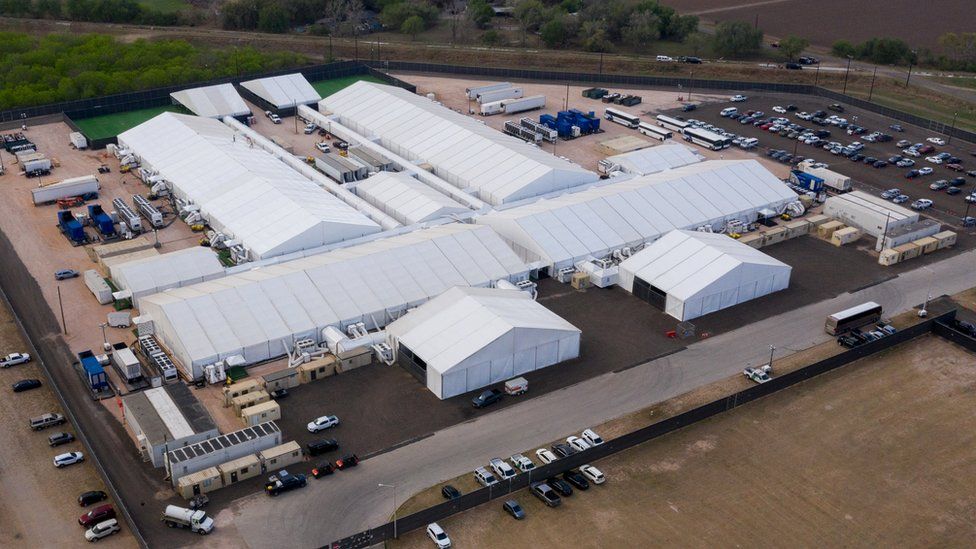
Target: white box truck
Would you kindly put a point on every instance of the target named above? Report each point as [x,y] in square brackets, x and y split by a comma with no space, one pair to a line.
[76,186]
[837,181]
[196,521]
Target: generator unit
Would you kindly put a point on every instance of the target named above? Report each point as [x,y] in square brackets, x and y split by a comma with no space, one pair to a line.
[152,215]
[513,128]
[547,133]
[101,220]
[71,227]
[129,217]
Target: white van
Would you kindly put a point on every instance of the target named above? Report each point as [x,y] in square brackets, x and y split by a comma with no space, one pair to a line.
[664,58]
[750,143]
[729,111]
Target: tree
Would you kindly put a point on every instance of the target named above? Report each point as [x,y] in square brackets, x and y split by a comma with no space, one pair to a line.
[480,13]
[734,38]
[791,46]
[643,30]
[697,42]
[554,32]
[843,48]
[491,37]
[273,18]
[529,14]
[594,35]
[413,26]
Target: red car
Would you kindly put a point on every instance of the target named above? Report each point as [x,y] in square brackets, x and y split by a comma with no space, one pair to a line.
[96,515]
[955,167]
[926,149]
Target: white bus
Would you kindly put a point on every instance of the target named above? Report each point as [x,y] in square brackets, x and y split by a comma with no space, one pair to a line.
[707,139]
[672,124]
[621,117]
[657,132]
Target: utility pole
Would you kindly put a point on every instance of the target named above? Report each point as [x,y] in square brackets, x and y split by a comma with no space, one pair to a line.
[601,63]
[871,93]
[847,73]
[64,326]
[911,62]
[952,128]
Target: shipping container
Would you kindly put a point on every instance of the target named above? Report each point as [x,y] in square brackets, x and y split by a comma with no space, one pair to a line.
[817,220]
[99,288]
[842,237]
[75,186]
[277,457]
[260,413]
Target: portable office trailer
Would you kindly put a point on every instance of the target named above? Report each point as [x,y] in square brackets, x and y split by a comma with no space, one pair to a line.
[376,161]
[240,469]
[753,240]
[285,378]
[250,399]
[354,358]
[342,169]
[945,238]
[500,95]
[474,92]
[99,288]
[908,233]
[775,235]
[908,251]
[842,237]
[75,186]
[889,257]
[281,456]
[260,413]
[872,214]
[318,368]
[126,362]
[927,244]
[200,482]
[221,449]
[239,388]
[798,227]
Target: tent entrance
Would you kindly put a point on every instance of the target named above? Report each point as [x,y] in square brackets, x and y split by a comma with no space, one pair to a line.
[649,293]
[412,363]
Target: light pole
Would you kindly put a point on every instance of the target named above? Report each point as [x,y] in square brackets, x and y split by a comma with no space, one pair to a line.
[847,72]
[911,61]
[952,128]
[381,485]
[771,350]
[969,203]
[924,311]
[104,338]
[816,80]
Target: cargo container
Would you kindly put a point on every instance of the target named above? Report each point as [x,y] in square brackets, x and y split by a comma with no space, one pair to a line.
[126,362]
[93,370]
[474,92]
[240,469]
[277,457]
[239,388]
[99,288]
[826,230]
[249,399]
[806,181]
[78,140]
[260,413]
[342,169]
[500,95]
[836,181]
[76,186]
[512,106]
[945,238]
[842,237]
[818,220]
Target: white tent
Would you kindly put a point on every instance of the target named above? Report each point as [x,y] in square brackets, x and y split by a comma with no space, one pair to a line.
[406,199]
[284,91]
[656,159]
[691,274]
[462,150]
[154,274]
[242,190]
[212,101]
[260,312]
[468,338]
[561,231]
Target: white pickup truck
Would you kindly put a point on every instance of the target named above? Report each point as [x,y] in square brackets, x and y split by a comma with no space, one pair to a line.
[759,375]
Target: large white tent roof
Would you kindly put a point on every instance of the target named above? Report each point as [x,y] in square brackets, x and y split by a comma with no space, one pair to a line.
[566,229]
[283,91]
[212,101]
[683,264]
[406,199]
[258,313]
[465,152]
[656,159]
[150,275]
[243,190]
[462,321]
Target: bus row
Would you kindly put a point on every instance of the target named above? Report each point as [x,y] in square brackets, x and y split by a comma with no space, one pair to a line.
[665,128]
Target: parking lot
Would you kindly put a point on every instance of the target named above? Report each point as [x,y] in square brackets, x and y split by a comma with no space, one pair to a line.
[892,434]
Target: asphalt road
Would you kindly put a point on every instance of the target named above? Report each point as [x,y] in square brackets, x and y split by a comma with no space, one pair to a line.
[351,501]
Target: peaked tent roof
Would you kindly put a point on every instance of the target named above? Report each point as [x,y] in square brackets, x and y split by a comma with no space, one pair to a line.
[685,263]
[462,321]
[149,275]
[283,91]
[656,159]
[406,199]
[595,221]
[462,150]
[244,191]
[212,101]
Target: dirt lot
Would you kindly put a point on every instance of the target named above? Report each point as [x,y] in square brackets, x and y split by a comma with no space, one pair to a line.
[824,22]
[43,511]
[893,436]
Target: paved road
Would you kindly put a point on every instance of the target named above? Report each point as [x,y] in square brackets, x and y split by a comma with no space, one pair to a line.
[350,502]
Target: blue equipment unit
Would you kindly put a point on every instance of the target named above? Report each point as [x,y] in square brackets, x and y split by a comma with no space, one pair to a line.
[807,181]
[70,226]
[101,220]
[97,378]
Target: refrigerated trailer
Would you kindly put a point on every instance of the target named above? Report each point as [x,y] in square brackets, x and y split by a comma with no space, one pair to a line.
[500,95]
[76,186]
[473,92]
[512,106]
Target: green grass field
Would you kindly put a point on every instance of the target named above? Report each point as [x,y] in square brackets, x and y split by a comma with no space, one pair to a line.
[329,87]
[110,125]
[165,6]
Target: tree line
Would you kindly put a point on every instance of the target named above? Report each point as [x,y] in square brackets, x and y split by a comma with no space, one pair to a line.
[97,11]
[54,68]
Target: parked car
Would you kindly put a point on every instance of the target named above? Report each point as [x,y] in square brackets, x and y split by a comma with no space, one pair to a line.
[591,437]
[896,127]
[836,107]
[102,530]
[96,515]
[57,439]
[925,171]
[347,461]
[546,494]
[279,394]
[592,474]
[953,191]
[319,447]
[323,146]
[310,128]
[502,469]
[759,375]
[545,455]
[323,469]
[879,164]
[905,163]
[484,477]
[44,421]
[560,486]
[522,463]
[513,508]
[69,458]
[93,496]
[26,385]
[957,181]
[912,174]
[486,398]
[793,66]
[936,141]
[692,59]
[14,359]
[902,143]
[890,193]
[738,98]
[438,536]
[779,109]
[450,492]
[322,423]
[65,274]
[576,479]
[578,443]
[968,221]
[955,167]
[939,185]
[901,199]
[665,59]
[922,204]
[688,107]
[282,482]
[967,328]
[563,450]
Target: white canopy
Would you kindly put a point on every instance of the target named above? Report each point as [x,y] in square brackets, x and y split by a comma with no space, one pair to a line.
[242,190]
[150,275]
[469,338]
[212,101]
[284,91]
[700,273]
[465,152]
[406,199]
[260,312]
[596,221]
[656,159]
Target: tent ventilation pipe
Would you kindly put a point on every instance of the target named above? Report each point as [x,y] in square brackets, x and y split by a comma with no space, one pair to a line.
[319,178]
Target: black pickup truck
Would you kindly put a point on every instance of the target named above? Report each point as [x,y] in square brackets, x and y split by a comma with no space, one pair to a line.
[283,482]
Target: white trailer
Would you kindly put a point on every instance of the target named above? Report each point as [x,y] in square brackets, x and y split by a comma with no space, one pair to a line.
[837,181]
[78,140]
[34,162]
[474,92]
[76,186]
[513,106]
[499,95]
[126,362]
[99,288]
[488,109]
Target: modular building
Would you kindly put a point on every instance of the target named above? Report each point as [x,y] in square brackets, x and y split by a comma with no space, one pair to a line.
[407,199]
[340,168]
[200,482]
[250,399]
[260,413]
[212,101]
[165,418]
[286,378]
[280,94]
[375,161]
[99,288]
[281,456]
[240,469]
[469,338]
[872,214]
[219,449]
[688,274]
[317,369]
[909,233]
[241,387]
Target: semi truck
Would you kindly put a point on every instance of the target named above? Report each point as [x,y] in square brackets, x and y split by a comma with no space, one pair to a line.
[180,517]
[86,185]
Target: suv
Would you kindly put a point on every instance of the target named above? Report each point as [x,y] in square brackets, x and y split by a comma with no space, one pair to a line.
[438,536]
[562,449]
[96,515]
[486,398]
[69,458]
[102,530]
[502,469]
[283,482]
[483,477]
[44,421]
[522,463]
[545,493]
[576,479]
[26,385]
[57,439]
[319,447]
